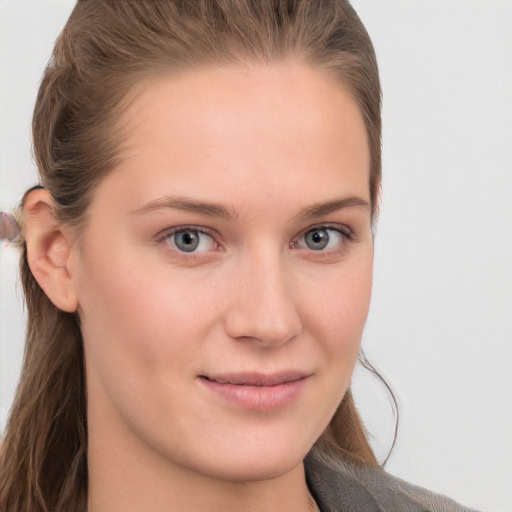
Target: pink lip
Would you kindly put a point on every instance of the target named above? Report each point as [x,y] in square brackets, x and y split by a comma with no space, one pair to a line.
[256,391]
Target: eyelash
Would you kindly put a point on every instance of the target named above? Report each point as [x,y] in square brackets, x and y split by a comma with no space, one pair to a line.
[168,234]
[345,233]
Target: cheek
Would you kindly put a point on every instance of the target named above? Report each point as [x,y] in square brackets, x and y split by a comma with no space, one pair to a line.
[341,304]
[140,317]
[337,318]
[340,311]
[120,310]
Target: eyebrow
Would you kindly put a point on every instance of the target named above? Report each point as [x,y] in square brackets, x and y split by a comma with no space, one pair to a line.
[189,205]
[218,210]
[324,208]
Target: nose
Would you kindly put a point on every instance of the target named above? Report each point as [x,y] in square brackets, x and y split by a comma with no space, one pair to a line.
[264,305]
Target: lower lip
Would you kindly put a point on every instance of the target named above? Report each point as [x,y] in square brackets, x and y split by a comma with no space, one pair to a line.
[257,398]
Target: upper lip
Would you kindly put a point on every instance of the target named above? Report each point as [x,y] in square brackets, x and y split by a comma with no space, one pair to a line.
[258,379]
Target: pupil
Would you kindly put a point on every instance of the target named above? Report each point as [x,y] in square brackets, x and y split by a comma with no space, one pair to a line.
[317,240]
[187,241]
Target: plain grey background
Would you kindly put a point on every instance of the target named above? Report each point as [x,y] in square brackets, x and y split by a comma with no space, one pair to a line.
[440,323]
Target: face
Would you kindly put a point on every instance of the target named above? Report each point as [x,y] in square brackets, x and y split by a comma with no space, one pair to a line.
[224,275]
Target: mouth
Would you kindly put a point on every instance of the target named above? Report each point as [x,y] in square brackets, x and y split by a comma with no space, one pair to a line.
[257,391]
[257,379]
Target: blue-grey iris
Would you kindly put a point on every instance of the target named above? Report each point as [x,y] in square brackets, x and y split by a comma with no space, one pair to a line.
[317,239]
[186,241]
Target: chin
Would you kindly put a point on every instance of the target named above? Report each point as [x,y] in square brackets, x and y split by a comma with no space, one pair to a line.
[251,469]
[242,458]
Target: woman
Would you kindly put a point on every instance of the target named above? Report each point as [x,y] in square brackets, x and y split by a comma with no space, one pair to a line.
[198,262]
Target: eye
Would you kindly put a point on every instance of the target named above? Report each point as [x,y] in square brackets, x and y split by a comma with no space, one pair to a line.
[317,239]
[322,239]
[190,240]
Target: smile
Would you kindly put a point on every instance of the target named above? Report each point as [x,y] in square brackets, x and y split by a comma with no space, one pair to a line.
[258,392]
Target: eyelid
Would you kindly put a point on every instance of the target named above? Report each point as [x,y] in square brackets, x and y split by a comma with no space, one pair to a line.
[162,236]
[346,232]
[342,228]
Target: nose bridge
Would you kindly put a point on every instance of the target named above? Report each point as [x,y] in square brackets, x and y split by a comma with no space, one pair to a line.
[264,305]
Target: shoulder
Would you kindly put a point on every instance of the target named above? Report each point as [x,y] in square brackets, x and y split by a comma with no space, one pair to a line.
[342,486]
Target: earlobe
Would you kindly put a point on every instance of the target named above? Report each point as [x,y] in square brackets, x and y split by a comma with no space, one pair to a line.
[48,250]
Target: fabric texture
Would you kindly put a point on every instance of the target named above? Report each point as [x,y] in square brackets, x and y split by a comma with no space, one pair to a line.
[340,486]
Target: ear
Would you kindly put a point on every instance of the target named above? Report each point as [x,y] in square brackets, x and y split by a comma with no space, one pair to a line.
[49,246]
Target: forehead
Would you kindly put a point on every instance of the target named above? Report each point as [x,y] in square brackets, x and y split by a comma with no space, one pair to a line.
[262,127]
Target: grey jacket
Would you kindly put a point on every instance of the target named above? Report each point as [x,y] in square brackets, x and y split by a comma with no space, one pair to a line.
[339,486]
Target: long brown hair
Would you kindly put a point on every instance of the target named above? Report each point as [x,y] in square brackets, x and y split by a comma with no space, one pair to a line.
[106,48]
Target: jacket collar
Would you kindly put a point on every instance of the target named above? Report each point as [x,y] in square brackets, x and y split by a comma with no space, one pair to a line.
[333,486]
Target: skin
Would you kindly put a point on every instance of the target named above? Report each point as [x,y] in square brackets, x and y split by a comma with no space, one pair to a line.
[266,144]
